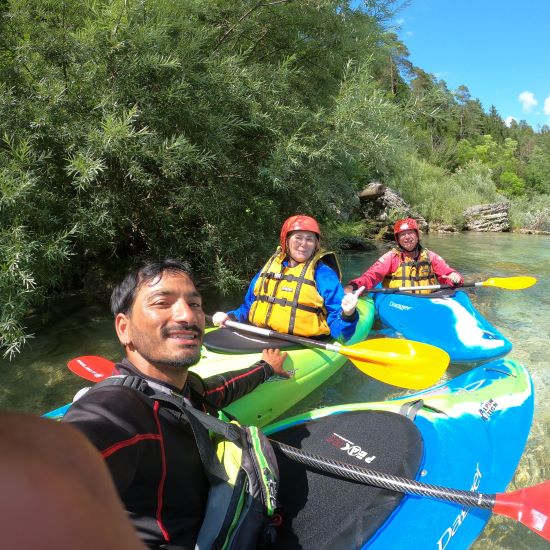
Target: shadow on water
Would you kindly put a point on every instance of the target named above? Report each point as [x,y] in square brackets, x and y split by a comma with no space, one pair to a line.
[38,379]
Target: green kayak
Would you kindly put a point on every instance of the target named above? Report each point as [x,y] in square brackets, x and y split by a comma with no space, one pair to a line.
[226,350]
[310,366]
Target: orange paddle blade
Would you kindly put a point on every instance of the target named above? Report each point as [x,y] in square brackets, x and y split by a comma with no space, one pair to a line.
[530,506]
[92,367]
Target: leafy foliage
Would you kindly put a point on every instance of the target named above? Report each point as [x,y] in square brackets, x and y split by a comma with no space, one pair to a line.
[192,128]
[175,127]
[532,213]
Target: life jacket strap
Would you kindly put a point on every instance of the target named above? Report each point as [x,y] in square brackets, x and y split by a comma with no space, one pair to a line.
[287,277]
[199,422]
[285,302]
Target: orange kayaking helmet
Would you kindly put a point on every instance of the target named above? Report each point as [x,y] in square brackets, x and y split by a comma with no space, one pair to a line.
[298,223]
[404,225]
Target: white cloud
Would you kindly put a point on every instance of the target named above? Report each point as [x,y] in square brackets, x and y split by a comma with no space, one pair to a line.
[547,106]
[508,120]
[528,101]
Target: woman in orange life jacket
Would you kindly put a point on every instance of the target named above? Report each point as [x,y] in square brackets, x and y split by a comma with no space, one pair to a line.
[298,290]
[409,264]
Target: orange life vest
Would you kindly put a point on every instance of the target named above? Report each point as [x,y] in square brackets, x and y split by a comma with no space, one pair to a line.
[286,298]
[412,273]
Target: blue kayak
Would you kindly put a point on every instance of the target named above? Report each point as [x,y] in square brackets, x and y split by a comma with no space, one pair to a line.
[446,319]
[468,433]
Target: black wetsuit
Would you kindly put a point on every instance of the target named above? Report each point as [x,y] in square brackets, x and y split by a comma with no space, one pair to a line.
[153,457]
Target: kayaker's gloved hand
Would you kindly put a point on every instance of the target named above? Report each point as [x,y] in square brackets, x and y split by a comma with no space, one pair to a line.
[276,360]
[219,318]
[349,302]
[455,278]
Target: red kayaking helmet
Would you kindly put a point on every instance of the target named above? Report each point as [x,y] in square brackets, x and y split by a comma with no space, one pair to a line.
[298,223]
[404,225]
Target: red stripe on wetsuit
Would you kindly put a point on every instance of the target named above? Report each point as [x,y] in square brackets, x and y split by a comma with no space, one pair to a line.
[148,437]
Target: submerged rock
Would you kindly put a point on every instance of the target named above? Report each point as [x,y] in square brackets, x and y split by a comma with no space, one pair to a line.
[443,228]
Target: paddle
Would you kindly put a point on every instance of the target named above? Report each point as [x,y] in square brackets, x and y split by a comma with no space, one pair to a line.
[395,361]
[92,367]
[508,283]
[530,506]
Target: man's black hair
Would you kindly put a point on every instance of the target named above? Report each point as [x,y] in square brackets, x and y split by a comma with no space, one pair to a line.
[124,294]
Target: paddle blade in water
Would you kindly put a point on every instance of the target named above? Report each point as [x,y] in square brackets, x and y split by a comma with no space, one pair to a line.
[510,283]
[91,367]
[530,506]
[399,362]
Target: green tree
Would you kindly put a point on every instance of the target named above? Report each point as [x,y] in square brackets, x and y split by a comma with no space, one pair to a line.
[177,127]
[501,159]
[494,125]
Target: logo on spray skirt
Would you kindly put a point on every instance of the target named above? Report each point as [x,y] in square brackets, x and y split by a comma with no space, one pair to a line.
[349,448]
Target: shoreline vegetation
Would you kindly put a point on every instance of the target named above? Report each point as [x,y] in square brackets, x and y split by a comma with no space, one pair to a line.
[132,130]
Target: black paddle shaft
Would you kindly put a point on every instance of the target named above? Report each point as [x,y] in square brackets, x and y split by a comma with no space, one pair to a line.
[386,481]
[411,289]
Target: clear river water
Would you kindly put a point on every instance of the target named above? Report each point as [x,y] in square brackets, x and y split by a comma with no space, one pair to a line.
[38,380]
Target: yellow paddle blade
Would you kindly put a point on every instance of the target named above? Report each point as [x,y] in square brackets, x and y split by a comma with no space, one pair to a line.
[399,362]
[510,283]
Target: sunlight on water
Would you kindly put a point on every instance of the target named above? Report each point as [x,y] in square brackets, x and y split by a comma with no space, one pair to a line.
[38,379]
[523,316]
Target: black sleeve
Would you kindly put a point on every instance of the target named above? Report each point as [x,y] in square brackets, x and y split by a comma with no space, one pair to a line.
[113,419]
[222,389]
[349,318]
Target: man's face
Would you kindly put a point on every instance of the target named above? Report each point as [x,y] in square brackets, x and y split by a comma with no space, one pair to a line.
[408,239]
[165,326]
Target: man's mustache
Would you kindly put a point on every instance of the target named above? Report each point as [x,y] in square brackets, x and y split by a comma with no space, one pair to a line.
[183,326]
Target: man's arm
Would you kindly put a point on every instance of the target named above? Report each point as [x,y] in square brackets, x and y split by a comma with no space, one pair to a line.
[108,417]
[375,274]
[443,270]
[56,491]
[222,389]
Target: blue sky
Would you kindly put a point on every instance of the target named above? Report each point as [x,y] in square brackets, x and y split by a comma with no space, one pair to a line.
[499,49]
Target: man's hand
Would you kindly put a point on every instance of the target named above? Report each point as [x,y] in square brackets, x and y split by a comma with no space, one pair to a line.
[219,318]
[276,359]
[455,278]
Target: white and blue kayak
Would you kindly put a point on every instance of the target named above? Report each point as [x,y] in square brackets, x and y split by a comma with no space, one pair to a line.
[467,434]
[446,319]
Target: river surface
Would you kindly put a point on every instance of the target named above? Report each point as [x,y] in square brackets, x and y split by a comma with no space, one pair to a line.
[38,380]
